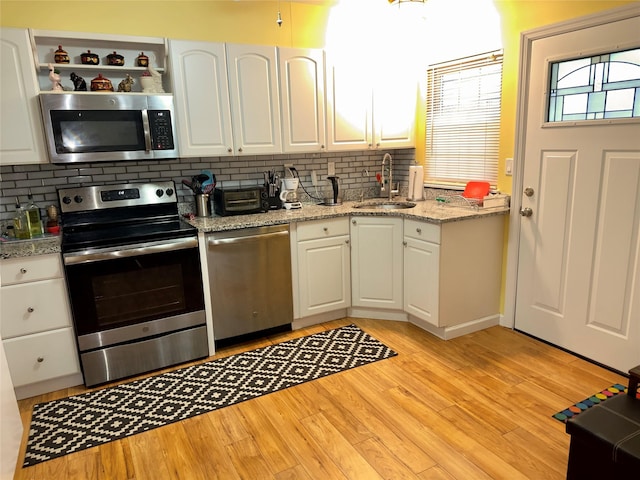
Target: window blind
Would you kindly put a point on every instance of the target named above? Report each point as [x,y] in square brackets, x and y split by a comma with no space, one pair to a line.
[463,120]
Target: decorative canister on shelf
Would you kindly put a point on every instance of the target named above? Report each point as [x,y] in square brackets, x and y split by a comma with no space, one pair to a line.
[101,84]
[126,84]
[79,84]
[147,82]
[115,59]
[142,60]
[60,56]
[89,58]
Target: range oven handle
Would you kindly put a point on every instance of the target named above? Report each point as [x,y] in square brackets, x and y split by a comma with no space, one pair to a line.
[114,253]
[147,130]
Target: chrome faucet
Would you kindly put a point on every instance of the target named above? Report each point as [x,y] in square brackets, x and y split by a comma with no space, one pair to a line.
[387,156]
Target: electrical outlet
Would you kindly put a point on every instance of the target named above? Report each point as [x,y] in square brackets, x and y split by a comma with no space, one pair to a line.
[331,169]
[508,166]
[314,178]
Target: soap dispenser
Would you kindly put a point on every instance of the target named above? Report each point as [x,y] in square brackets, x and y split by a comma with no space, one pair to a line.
[20,222]
[33,217]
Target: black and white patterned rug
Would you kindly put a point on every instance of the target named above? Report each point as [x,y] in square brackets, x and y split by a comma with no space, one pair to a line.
[72,424]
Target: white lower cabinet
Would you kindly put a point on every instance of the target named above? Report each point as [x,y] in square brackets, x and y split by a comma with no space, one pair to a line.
[41,356]
[453,274]
[376,262]
[324,271]
[36,326]
[421,270]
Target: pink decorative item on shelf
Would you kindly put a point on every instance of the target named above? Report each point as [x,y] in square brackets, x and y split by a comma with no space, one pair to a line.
[54,77]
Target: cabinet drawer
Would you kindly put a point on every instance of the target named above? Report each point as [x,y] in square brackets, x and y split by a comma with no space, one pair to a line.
[322,228]
[41,356]
[428,232]
[30,269]
[34,307]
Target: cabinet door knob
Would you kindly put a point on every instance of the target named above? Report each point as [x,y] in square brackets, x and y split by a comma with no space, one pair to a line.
[325,229]
[40,359]
[404,243]
[240,150]
[229,149]
[30,309]
[354,222]
[418,230]
[23,270]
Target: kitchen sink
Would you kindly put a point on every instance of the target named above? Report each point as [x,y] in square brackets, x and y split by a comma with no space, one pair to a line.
[385,205]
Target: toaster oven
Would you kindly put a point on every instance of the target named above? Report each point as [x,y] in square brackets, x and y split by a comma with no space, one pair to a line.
[240,200]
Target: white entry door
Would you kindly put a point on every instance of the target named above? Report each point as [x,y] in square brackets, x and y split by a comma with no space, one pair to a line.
[578,281]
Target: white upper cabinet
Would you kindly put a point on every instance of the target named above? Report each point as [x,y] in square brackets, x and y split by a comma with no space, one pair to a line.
[21,136]
[394,109]
[201,97]
[302,97]
[369,111]
[349,104]
[255,103]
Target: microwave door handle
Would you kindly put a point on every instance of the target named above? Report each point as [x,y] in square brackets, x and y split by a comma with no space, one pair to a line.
[147,130]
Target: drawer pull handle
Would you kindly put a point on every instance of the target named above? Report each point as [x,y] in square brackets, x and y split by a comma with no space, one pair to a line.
[23,270]
[40,359]
[419,230]
[30,309]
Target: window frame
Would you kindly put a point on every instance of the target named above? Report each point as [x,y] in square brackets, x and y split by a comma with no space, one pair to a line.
[450,140]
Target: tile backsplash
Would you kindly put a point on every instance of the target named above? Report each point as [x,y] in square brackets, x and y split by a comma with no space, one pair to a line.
[356,169]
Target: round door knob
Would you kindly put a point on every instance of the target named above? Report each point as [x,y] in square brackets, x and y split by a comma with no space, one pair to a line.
[353,222]
[526,212]
[418,230]
[30,309]
[529,192]
[23,271]
[40,359]
[240,150]
[229,150]
[405,243]
[325,229]
[347,242]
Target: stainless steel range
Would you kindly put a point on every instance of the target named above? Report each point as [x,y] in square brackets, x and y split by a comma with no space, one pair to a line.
[134,279]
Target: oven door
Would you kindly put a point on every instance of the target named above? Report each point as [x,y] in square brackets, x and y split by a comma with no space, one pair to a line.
[126,293]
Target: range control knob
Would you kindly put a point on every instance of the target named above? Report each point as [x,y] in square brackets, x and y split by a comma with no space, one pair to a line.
[159,192]
[169,192]
[66,200]
[78,199]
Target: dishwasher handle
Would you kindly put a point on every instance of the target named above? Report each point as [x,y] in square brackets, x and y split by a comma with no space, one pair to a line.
[212,241]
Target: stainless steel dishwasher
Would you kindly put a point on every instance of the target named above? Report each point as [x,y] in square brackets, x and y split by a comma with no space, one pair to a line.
[250,278]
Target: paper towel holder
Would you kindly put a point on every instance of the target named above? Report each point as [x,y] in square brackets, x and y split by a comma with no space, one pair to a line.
[413,176]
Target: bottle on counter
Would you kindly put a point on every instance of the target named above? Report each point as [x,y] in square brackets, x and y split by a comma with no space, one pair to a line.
[33,217]
[20,222]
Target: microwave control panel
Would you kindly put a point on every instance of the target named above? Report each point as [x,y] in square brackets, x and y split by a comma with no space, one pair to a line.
[161,131]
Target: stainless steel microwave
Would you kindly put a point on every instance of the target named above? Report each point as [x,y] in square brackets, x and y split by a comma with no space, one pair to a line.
[103,127]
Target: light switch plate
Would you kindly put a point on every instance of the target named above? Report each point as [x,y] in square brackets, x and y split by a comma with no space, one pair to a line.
[508,166]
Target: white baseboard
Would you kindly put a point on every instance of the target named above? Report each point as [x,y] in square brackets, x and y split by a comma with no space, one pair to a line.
[447,333]
[47,386]
[299,323]
[378,314]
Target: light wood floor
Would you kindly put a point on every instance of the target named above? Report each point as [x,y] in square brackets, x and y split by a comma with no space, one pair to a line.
[475,407]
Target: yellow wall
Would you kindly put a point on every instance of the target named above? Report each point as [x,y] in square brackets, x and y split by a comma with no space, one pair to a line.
[304,25]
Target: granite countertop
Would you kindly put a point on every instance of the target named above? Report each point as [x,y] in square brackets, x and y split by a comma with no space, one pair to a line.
[33,246]
[429,211]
